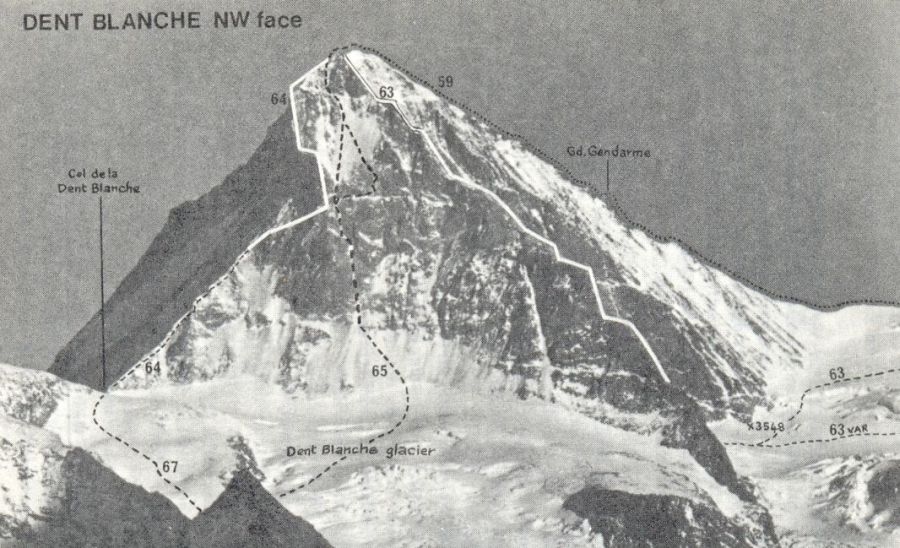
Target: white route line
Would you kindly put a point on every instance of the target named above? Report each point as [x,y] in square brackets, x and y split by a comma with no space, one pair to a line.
[149,356]
[512,214]
[258,240]
[146,358]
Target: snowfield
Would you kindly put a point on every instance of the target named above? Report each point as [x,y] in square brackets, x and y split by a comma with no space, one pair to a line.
[519,381]
[491,473]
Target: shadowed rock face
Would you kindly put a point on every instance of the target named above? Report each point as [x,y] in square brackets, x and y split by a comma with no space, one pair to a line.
[440,265]
[884,492]
[101,509]
[246,515]
[450,258]
[199,241]
[626,519]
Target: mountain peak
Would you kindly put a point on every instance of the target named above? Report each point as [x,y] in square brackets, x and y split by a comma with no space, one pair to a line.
[245,514]
[244,490]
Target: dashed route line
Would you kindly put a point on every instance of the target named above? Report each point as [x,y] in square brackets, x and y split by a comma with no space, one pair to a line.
[552,245]
[351,253]
[149,357]
[765,442]
[613,201]
[137,451]
[818,440]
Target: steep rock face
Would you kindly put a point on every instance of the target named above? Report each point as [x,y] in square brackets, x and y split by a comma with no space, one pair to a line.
[246,515]
[445,276]
[715,337]
[441,262]
[198,242]
[448,280]
[627,519]
[437,243]
[884,493]
[430,232]
[443,265]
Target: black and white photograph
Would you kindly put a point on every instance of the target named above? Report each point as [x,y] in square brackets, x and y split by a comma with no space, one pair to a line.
[449,274]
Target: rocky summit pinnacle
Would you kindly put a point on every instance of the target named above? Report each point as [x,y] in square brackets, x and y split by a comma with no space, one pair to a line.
[246,515]
[459,254]
[98,508]
[383,247]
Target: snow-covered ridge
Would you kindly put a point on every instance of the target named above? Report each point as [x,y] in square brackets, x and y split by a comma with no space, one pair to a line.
[740,335]
[742,332]
[755,328]
[766,334]
[274,361]
[32,396]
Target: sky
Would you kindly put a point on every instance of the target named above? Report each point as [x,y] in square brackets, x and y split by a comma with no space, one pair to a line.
[773,130]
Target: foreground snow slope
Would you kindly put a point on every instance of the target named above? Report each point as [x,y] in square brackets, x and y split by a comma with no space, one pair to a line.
[479,456]
[484,456]
[437,249]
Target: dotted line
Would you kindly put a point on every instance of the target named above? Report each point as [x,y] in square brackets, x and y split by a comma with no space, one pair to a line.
[148,360]
[803,398]
[663,238]
[546,157]
[152,355]
[817,440]
[767,440]
[359,323]
[325,68]
[314,478]
[352,135]
[359,149]
[374,175]
[757,444]
[137,451]
[351,252]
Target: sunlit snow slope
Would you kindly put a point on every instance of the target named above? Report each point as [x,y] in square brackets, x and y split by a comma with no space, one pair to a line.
[511,303]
